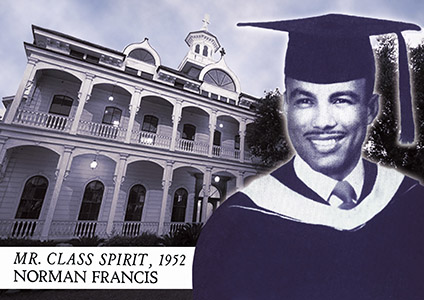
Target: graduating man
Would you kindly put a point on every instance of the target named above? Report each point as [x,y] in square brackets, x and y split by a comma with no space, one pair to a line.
[328,224]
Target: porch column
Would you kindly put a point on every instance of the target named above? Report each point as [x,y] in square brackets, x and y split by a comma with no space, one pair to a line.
[166,183]
[24,88]
[240,180]
[176,118]
[61,170]
[242,134]
[118,179]
[207,177]
[212,127]
[134,107]
[83,97]
[4,158]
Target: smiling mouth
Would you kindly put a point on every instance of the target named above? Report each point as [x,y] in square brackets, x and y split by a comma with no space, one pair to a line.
[325,143]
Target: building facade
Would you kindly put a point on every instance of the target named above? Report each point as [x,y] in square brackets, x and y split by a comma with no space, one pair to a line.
[98,142]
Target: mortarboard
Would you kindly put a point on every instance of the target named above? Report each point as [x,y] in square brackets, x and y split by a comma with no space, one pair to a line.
[336,48]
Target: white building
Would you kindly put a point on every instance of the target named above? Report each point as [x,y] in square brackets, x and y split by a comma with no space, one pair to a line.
[102,142]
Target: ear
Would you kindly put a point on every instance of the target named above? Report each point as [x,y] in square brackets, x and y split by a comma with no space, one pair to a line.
[372,108]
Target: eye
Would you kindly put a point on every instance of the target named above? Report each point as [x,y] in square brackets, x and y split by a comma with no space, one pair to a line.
[304,102]
[342,101]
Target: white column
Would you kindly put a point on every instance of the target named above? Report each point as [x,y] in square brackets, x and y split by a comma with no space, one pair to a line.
[25,85]
[62,167]
[207,177]
[242,134]
[166,183]
[134,107]
[83,97]
[176,118]
[240,180]
[118,179]
[4,159]
[212,127]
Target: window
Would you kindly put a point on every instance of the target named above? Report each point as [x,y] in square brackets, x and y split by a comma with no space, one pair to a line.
[112,116]
[205,93]
[189,132]
[92,59]
[146,75]
[61,105]
[237,142]
[143,55]
[205,51]
[179,84]
[77,54]
[150,124]
[180,204]
[197,48]
[135,204]
[221,79]
[217,138]
[32,198]
[131,71]
[91,201]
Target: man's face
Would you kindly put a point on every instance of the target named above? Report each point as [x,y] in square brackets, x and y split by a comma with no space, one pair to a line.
[327,123]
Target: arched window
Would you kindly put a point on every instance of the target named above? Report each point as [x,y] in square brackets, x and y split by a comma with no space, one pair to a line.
[205,51]
[61,105]
[32,198]
[150,123]
[91,201]
[221,79]
[189,132]
[112,116]
[135,204]
[180,204]
[197,48]
[143,55]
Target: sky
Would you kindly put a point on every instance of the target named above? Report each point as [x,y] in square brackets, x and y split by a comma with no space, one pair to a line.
[254,55]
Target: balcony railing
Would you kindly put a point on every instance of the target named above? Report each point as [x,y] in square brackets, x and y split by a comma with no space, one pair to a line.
[20,228]
[43,120]
[151,139]
[224,152]
[106,131]
[134,228]
[76,229]
[172,226]
[192,146]
[111,132]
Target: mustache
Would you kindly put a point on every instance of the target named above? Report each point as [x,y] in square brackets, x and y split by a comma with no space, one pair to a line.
[314,133]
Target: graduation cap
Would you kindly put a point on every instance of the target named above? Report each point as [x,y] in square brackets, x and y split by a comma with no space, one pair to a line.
[336,48]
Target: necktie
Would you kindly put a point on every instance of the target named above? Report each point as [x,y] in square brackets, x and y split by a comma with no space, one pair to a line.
[345,192]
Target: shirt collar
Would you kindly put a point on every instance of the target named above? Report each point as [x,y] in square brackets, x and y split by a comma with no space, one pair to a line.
[324,185]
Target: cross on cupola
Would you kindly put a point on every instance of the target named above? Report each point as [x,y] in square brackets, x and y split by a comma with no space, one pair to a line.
[222,51]
[206,22]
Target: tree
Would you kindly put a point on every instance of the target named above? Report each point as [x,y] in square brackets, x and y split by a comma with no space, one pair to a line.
[266,136]
[382,145]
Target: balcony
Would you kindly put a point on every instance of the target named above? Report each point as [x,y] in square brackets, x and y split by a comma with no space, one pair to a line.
[43,120]
[60,123]
[225,152]
[31,229]
[106,131]
[192,146]
[151,139]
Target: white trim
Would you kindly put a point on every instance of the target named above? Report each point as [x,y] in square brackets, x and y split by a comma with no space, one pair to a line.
[267,192]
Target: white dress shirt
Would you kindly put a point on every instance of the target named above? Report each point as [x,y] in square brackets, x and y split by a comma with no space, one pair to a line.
[324,185]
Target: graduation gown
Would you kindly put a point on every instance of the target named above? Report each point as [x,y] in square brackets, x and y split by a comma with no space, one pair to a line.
[253,249]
